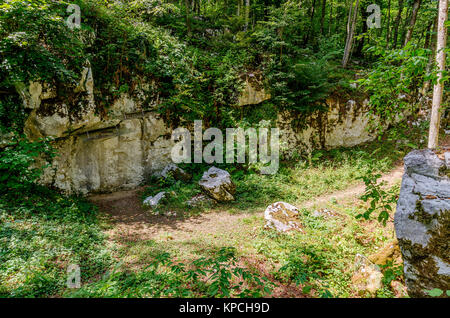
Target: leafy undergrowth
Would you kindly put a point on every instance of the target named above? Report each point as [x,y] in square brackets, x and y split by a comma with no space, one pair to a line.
[217,276]
[41,233]
[320,260]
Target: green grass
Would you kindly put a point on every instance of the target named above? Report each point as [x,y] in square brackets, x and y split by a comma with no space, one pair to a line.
[297,180]
[322,257]
[42,232]
[40,235]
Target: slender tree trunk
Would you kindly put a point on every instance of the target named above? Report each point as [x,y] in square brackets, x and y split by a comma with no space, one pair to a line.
[397,22]
[388,27]
[351,24]
[412,21]
[311,19]
[247,13]
[405,27]
[428,31]
[188,19]
[322,19]
[433,139]
[330,21]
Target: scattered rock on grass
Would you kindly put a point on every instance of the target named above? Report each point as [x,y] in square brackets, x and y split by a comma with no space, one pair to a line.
[399,289]
[390,252]
[177,173]
[282,217]
[367,276]
[218,185]
[324,212]
[155,200]
[199,200]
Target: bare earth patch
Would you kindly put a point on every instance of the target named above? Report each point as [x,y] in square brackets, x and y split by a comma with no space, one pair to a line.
[133,223]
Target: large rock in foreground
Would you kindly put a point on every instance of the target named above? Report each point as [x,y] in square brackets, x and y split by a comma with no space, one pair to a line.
[154,201]
[422,223]
[282,217]
[218,185]
[367,277]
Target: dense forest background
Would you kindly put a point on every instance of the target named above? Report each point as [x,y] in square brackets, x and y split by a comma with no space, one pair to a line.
[197,53]
[189,60]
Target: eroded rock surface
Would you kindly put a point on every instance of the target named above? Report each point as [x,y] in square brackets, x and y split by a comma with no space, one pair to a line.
[367,277]
[217,184]
[282,217]
[153,201]
[422,223]
[176,172]
[104,148]
[96,153]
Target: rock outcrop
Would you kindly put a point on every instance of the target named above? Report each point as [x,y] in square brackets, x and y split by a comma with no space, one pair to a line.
[346,123]
[117,150]
[282,217]
[217,184]
[367,277]
[176,172]
[253,91]
[422,223]
[119,145]
[153,201]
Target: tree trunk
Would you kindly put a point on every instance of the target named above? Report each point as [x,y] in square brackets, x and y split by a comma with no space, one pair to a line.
[405,27]
[388,27]
[412,21]
[247,13]
[322,19]
[397,22]
[188,19]
[351,24]
[433,139]
[331,18]
[311,19]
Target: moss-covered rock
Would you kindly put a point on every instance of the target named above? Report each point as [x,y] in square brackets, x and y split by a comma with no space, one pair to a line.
[422,223]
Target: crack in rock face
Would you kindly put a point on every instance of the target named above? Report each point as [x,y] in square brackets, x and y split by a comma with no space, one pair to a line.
[422,222]
[217,184]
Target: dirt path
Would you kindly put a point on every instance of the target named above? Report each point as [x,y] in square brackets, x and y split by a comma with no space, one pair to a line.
[133,223]
[134,229]
[354,192]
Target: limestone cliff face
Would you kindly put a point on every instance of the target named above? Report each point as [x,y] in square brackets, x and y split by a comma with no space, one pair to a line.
[422,222]
[346,123]
[96,153]
[122,148]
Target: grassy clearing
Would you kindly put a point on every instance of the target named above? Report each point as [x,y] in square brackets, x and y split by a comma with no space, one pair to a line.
[42,232]
[297,180]
[40,235]
[316,263]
